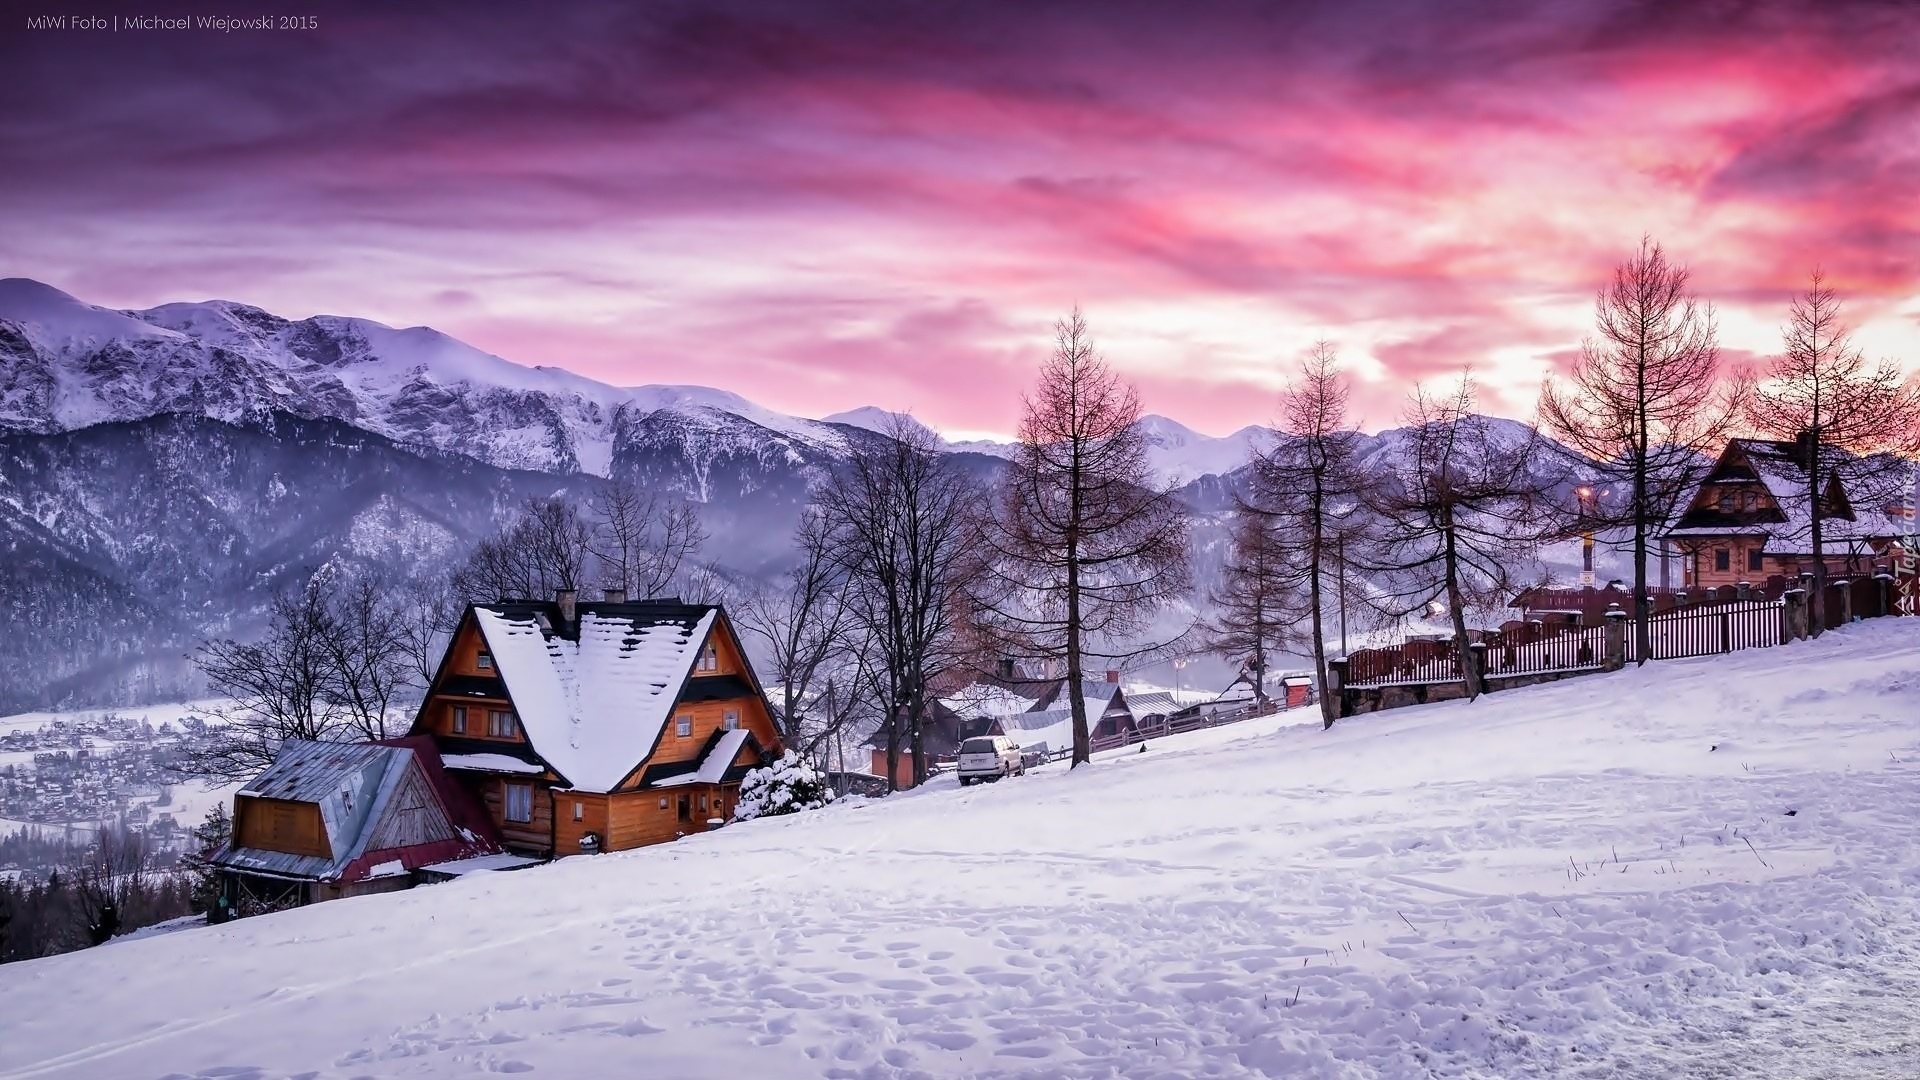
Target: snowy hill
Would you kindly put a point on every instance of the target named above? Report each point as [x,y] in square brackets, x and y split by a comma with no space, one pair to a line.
[1702,868]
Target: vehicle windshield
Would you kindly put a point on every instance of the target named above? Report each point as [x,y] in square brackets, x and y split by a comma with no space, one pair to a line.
[983,745]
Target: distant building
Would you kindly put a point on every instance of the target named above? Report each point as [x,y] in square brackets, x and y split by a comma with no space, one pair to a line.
[1750,518]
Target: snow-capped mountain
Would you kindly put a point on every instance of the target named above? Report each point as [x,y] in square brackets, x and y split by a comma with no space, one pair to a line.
[66,364]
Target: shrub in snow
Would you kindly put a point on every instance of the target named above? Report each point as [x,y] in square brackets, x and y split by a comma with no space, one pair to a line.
[787,786]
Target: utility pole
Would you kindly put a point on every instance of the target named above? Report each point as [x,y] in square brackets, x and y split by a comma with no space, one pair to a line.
[1341,588]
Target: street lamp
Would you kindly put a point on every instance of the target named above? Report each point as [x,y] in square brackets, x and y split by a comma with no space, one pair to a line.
[1586,535]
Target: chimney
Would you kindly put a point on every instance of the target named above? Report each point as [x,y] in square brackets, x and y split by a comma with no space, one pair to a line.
[565,597]
[1113,675]
[1006,668]
[616,596]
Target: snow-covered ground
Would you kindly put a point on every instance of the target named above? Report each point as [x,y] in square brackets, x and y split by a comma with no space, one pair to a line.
[1707,868]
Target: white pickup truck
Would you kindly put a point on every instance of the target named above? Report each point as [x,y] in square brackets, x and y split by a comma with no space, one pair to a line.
[990,757]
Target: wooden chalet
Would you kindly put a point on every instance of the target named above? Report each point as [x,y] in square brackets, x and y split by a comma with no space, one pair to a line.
[1750,518]
[598,726]
[328,820]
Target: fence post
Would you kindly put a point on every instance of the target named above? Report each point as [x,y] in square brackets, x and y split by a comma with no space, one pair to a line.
[1477,656]
[1793,615]
[1614,656]
[1884,593]
[1743,590]
[1846,602]
[1336,688]
[1726,631]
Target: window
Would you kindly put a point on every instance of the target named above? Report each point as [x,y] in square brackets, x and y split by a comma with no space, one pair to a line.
[501,724]
[484,661]
[1754,559]
[663,802]
[1722,559]
[519,802]
[683,726]
[459,719]
[579,810]
[1726,501]
[731,722]
[709,658]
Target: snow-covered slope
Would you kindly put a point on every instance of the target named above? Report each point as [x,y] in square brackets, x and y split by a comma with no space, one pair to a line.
[1702,868]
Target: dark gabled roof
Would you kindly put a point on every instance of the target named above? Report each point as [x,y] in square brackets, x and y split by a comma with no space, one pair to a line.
[474,686]
[716,688]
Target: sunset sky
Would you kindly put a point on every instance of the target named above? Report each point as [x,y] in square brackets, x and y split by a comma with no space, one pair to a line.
[827,205]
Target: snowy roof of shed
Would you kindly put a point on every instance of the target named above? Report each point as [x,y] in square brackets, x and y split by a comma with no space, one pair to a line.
[353,784]
[593,705]
[1050,730]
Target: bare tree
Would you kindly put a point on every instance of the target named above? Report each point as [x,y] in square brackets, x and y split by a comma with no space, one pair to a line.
[1849,419]
[111,881]
[1087,548]
[544,549]
[276,688]
[428,616]
[897,520]
[1645,401]
[1307,485]
[803,619]
[1257,606]
[1459,515]
[640,540]
[364,642]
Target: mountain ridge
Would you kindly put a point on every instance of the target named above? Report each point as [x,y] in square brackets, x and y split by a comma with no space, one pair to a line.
[69,364]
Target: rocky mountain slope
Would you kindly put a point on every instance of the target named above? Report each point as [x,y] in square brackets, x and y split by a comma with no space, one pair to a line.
[163,471]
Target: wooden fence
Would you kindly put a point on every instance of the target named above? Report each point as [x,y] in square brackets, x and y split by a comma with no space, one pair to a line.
[1709,623]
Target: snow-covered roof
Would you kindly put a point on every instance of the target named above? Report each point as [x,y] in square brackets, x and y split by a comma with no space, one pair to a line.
[499,861]
[593,706]
[491,763]
[986,699]
[1046,730]
[1156,703]
[713,768]
[1780,469]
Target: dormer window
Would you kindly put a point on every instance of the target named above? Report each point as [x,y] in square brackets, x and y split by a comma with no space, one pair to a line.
[709,658]
[484,661]
[1726,501]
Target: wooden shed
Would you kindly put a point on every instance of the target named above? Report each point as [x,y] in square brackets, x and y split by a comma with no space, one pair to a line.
[328,820]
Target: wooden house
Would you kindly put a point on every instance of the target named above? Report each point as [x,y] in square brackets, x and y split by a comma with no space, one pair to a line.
[1750,519]
[598,726]
[328,820]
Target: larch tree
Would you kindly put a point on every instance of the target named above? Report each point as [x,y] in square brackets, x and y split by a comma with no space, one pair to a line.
[1307,484]
[1257,606]
[1086,547]
[1852,420]
[1457,518]
[1646,402]
[898,521]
